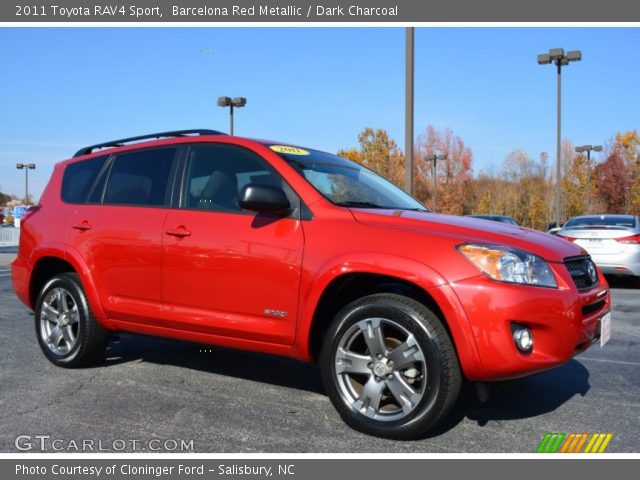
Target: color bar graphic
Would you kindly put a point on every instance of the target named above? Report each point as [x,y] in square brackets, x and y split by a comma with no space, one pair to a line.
[559,442]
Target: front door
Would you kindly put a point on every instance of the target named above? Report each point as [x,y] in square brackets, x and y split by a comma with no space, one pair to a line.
[227,271]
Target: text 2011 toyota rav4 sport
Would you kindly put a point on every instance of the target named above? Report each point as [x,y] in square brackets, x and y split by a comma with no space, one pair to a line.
[275,248]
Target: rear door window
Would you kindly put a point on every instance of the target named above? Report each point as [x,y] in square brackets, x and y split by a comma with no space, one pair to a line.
[140,177]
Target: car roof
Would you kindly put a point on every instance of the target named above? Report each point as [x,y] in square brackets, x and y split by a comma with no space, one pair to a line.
[166,138]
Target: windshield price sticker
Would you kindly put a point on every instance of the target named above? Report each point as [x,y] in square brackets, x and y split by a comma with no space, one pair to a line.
[289,150]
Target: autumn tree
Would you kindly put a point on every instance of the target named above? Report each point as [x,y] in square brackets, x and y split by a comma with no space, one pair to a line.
[628,144]
[526,189]
[614,181]
[519,190]
[4,198]
[574,187]
[454,175]
[379,152]
[523,188]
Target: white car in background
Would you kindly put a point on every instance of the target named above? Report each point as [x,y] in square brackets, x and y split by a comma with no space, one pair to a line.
[613,241]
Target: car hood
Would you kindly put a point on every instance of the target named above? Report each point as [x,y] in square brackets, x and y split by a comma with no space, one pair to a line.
[468,229]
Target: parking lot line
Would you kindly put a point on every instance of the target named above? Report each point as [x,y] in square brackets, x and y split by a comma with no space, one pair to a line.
[609,361]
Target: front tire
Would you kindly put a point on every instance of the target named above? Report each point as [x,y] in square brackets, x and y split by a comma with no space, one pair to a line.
[389,367]
[67,331]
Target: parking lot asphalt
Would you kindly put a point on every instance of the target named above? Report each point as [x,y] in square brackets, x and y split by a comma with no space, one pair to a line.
[230,401]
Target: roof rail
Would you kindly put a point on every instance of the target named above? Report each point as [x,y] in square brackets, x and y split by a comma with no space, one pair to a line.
[121,142]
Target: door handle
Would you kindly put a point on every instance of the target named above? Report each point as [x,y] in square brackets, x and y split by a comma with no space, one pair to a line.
[178,232]
[83,227]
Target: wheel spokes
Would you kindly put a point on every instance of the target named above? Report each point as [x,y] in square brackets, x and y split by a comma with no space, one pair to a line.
[369,400]
[58,315]
[402,392]
[60,303]
[406,354]
[373,336]
[49,313]
[55,336]
[69,336]
[352,363]
[65,301]
[72,315]
[381,369]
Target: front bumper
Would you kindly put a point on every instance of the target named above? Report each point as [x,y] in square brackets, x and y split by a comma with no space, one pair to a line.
[563,320]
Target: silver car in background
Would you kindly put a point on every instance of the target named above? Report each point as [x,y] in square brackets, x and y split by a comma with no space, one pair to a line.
[613,241]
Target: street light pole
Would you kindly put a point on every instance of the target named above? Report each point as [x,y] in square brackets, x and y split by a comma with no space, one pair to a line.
[26,167]
[588,149]
[557,56]
[559,147]
[434,158]
[229,102]
[408,122]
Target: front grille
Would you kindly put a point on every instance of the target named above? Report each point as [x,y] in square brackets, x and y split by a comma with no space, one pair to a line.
[583,271]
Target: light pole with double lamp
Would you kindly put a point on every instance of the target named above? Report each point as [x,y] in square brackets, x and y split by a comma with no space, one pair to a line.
[231,102]
[557,56]
[434,158]
[588,149]
[26,167]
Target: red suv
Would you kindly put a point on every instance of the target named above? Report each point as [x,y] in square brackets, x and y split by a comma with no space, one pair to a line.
[250,244]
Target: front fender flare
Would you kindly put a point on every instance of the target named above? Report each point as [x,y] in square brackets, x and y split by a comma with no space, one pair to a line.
[403,268]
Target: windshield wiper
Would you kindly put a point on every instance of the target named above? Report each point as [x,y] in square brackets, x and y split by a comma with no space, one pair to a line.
[353,203]
[415,209]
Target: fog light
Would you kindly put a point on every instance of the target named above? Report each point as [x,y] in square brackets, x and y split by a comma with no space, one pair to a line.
[523,338]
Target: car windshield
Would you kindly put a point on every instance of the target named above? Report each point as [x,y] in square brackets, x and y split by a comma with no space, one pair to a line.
[602,221]
[347,183]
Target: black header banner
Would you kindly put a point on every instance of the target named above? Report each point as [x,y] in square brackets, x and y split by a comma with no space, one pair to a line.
[308,11]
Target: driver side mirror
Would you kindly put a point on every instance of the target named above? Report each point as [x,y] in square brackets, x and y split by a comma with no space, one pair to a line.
[264,199]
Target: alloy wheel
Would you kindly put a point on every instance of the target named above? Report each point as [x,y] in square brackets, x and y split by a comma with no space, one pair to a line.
[59,321]
[381,369]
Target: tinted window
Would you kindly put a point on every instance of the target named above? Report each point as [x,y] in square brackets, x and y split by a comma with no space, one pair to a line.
[140,178]
[78,179]
[347,183]
[217,173]
[98,189]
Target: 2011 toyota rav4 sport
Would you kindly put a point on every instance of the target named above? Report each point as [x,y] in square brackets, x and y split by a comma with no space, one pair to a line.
[251,244]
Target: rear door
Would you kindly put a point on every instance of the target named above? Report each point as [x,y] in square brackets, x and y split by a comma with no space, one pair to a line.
[118,232]
[227,271]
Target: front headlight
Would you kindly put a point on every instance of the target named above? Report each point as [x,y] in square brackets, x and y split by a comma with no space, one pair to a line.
[508,265]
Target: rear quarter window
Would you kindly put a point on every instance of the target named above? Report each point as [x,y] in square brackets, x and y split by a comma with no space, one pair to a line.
[79,177]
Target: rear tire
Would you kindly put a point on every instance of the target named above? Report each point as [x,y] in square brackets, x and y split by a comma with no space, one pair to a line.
[389,367]
[67,331]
